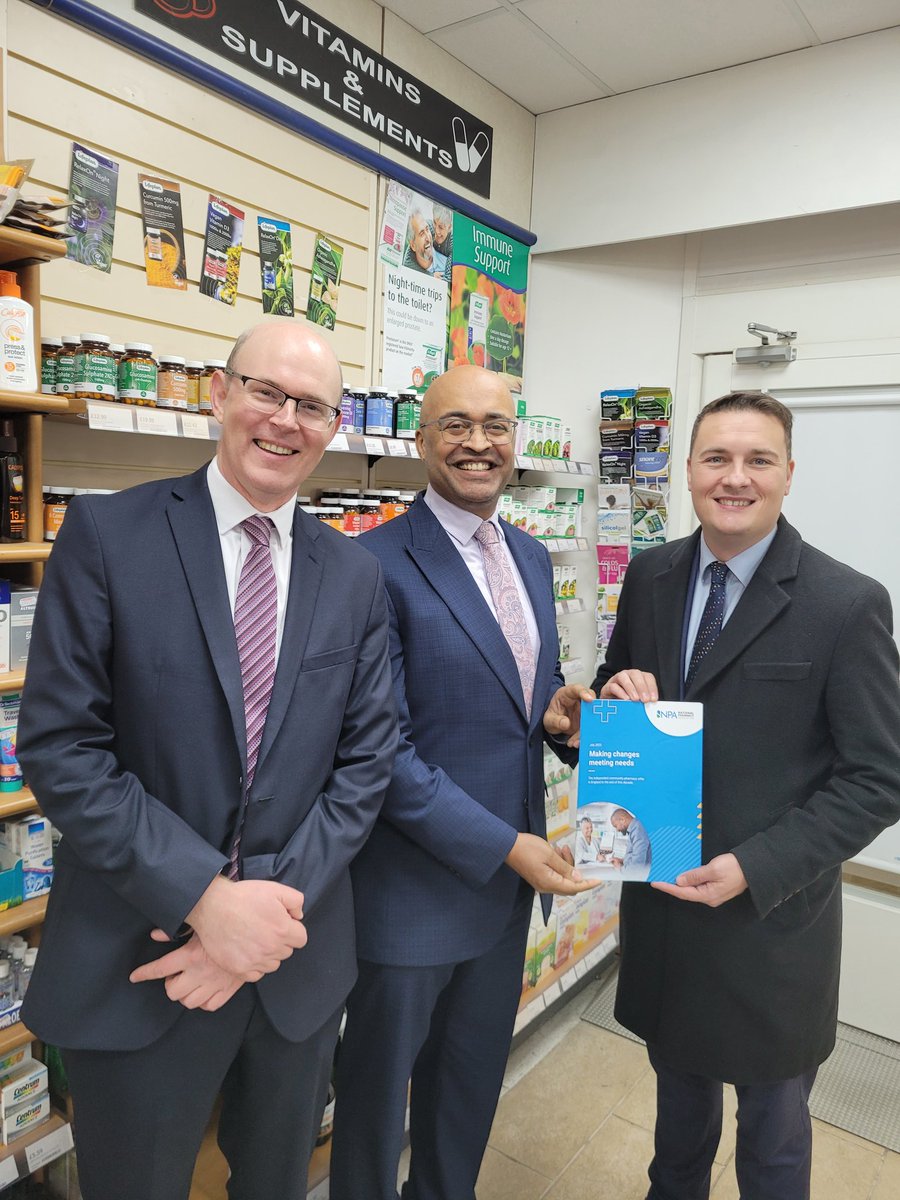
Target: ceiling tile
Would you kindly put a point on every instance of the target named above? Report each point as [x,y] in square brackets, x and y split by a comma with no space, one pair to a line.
[426,15]
[518,61]
[834,19]
[651,41]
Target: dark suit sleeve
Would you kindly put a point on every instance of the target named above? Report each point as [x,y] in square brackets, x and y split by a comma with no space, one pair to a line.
[862,797]
[334,830]
[67,744]
[425,804]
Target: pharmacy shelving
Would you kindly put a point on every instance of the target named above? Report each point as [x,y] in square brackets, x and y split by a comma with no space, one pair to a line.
[14,804]
[23,916]
[13,1036]
[35,1149]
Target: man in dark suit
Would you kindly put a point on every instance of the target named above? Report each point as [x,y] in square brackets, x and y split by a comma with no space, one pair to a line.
[445,884]
[210,722]
[731,974]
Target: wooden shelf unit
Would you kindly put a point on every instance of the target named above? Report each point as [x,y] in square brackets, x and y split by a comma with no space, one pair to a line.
[18,248]
[23,916]
[15,804]
[14,1036]
[12,681]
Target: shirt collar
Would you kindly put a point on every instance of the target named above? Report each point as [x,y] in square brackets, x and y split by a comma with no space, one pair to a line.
[458,522]
[742,566]
[231,507]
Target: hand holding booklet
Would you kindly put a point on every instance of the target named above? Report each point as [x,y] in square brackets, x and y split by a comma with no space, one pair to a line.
[640,786]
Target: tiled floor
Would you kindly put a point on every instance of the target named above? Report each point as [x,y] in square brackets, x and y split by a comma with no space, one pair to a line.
[576,1119]
[575,1122]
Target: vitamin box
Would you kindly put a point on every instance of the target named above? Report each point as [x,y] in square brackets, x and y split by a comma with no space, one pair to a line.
[25,1084]
[23,1118]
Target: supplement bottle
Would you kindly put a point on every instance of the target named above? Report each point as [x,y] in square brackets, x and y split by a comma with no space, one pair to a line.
[95,368]
[209,369]
[65,365]
[171,382]
[55,505]
[193,370]
[50,348]
[7,989]
[137,375]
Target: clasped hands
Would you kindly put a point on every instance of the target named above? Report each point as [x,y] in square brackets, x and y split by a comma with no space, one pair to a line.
[242,930]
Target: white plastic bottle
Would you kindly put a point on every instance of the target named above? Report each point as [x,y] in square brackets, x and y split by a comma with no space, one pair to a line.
[17,955]
[18,364]
[25,971]
[7,991]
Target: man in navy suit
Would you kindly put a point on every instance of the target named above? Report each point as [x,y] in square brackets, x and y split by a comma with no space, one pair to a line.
[445,884]
[731,974]
[180,820]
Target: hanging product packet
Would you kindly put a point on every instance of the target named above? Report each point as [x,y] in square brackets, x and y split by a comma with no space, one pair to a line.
[12,176]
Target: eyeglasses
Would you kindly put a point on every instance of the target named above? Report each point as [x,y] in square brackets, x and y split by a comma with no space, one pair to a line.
[266,398]
[499,431]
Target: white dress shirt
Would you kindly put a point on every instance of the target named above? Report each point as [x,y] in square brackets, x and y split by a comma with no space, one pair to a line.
[231,508]
[461,526]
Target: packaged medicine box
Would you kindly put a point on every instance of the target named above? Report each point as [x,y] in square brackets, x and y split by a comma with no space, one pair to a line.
[29,839]
[24,1117]
[4,624]
[22,605]
[26,1083]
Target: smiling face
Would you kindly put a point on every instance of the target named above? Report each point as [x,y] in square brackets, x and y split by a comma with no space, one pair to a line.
[420,241]
[469,474]
[266,458]
[587,828]
[738,475]
[442,226]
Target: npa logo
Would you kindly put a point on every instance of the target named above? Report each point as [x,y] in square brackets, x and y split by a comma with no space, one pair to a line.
[185,9]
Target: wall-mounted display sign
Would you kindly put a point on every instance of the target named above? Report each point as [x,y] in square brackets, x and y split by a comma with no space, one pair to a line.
[293,48]
[276,266]
[222,251]
[163,232]
[487,300]
[93,183]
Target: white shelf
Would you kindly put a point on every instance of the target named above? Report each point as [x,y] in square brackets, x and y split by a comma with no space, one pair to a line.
[564,545]
[565,607]
[164,422]
[554,466]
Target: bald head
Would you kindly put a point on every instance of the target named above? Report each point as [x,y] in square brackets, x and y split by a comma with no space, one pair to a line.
[468,381]
[283,343]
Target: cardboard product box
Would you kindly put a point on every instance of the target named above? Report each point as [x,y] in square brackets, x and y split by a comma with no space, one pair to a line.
[557,575]
[26,1082]
[582,904]
[22,606]
[12,1060]
[545,949]
[24,1117]
[565,930]
[12,893]
[617,404]
[29,839]
[653,403]
[566,445]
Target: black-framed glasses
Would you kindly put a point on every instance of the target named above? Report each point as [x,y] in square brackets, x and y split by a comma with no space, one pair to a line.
[499,431]
[268,399]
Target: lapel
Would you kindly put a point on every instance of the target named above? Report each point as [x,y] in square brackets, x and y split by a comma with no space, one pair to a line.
[670,588]
[307,562]
[525,552]
[433,552]
[762,602]
[193,524]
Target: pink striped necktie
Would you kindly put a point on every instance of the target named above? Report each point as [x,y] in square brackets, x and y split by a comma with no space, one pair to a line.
[508,604]
[255,623]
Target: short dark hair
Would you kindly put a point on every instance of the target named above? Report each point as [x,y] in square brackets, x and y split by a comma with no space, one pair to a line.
[760,402]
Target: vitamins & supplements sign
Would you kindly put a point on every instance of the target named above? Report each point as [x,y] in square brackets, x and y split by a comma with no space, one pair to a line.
[294,48]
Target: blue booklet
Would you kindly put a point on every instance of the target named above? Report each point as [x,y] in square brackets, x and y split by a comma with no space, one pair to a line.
[640,785]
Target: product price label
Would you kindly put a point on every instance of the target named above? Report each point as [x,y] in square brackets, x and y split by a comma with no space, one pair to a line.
[52,1146]
[150,421]
[110,416]
[397,448]
[195,426]
[339,442]
[9,1172]
[374,445]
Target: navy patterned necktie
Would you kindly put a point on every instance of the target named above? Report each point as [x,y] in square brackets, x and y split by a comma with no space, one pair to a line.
[711,621]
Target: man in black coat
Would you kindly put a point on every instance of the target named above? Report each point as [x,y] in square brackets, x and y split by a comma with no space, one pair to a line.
[731,974]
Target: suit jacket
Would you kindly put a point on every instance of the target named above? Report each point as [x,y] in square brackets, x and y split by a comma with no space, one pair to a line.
[801,770]
[431,885]
[132,736]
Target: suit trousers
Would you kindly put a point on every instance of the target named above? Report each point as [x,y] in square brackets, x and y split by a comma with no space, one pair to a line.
[773,1155]
[140,1115]
[446,1027]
